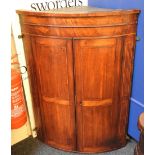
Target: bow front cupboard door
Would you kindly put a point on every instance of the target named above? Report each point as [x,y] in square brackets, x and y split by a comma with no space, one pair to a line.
[97,72]
[54,75]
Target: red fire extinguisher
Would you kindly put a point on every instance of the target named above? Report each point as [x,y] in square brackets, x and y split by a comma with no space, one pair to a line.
[18,108]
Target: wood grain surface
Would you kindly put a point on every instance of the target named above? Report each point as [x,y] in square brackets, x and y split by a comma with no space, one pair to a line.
[80,65]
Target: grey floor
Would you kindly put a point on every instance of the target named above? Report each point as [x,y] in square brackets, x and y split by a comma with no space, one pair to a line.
[32,146]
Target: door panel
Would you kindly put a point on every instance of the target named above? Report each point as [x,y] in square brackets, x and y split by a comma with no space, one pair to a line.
[53,58]
[97,72]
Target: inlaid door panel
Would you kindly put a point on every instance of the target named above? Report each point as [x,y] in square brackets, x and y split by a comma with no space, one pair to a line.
[97,73]
[53,59]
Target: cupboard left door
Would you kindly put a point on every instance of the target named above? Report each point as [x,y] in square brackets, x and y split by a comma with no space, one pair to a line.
[54,77]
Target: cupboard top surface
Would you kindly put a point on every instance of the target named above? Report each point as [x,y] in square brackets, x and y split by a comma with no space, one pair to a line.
[79,11]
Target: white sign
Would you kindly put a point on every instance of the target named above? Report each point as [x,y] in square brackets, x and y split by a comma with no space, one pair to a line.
[45,5]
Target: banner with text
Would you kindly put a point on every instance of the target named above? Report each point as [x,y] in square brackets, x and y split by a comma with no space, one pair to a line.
[45,5]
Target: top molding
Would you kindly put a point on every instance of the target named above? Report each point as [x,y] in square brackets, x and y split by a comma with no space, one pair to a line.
[83,11]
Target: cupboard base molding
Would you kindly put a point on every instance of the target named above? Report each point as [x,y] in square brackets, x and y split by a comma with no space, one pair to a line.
[114,147]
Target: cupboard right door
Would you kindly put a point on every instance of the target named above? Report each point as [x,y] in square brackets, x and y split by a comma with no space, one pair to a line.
[97,79]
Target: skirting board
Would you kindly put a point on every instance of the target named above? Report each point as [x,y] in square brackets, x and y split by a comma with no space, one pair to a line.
[136,108]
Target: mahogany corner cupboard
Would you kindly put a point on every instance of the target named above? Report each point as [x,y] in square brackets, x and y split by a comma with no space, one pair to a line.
[80,64]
